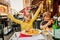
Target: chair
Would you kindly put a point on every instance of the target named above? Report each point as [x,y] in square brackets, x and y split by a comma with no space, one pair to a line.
[16,27]
[1,32]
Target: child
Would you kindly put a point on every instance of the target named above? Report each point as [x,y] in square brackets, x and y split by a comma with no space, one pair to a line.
[27,23]
[47,22]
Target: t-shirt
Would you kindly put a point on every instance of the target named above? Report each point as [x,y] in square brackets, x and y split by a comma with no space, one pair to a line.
[45,22]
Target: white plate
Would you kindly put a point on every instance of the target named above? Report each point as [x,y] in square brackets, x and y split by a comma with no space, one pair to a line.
[23,32]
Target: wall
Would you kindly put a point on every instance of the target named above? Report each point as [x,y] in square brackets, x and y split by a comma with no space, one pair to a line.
[2,1]
[26,3]
[16,4]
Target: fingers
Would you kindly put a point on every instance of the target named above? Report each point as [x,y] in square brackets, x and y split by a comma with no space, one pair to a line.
[41,4]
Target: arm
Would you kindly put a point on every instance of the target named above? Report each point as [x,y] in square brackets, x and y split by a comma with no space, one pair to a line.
[36,14]
[13,19]
[45,25]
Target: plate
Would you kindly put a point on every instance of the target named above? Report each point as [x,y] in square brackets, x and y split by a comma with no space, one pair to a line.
[31,32]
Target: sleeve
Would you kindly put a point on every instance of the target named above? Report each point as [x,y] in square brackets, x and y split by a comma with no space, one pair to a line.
[13,19]
[36,14]
[43,23]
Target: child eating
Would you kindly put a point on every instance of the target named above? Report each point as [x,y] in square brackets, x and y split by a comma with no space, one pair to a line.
[47,22]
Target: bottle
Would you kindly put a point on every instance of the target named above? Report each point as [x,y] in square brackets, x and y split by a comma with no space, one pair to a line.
[55,24]
[58,22]
[54,27]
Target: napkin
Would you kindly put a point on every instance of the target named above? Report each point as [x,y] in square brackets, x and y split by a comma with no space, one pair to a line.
[24,35]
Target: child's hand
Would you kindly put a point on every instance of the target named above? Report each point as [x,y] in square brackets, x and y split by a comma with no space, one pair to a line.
[41,4]
[49,22]
[52,21]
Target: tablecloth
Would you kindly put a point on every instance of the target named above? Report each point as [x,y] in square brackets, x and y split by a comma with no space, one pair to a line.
[15,36]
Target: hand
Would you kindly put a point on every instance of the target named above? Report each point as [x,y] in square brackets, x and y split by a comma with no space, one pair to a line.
[49,22]
[52,21]
[41,4]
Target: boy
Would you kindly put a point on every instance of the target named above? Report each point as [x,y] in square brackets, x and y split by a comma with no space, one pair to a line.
[47,22]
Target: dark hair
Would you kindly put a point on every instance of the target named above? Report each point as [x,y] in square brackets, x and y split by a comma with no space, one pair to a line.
[46,13]
[3,4]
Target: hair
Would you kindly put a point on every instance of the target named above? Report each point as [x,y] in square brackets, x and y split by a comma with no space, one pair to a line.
[3,4]
[46,13]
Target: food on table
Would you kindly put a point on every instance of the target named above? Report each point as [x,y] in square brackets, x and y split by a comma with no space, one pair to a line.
[31,32]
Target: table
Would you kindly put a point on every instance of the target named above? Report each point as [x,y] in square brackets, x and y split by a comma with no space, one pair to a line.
[15,36]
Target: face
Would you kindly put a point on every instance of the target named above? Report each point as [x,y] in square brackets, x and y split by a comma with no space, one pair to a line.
[47,17]
[27,18]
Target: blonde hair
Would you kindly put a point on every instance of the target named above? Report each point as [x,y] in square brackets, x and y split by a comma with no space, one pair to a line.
[46,13]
